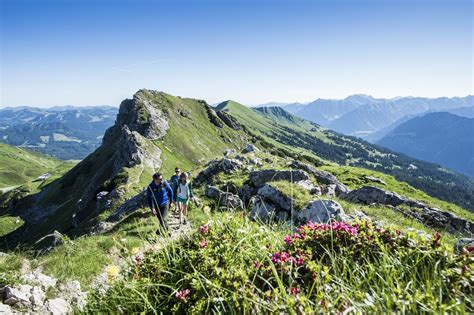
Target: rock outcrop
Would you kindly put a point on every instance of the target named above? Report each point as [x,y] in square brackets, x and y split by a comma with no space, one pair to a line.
[31,297]
[224,200]
[419,211]
[260,178]
[322,177]
[371,194]
[322,211]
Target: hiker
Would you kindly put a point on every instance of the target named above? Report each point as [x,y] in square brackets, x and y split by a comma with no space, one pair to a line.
[183,193]
[159,195]
[174,181]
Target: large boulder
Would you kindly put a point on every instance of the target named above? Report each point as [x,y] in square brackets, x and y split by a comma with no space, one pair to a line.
[370,194]
[246,192]
[322,211]
[262,210]
[224,199]
[226,165]
[322,177]
[260,178]
[275,196]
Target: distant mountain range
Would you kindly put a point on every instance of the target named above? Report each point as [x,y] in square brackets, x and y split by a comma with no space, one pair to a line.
[66,132]
[442,138]
[363,115]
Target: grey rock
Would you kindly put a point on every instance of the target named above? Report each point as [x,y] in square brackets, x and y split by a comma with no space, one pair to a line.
[275,196]
[309,187]
[250,148]
[262,210]
[231,165]
[322,177]
[224,199]
[374,179]
[37,278]
[37,296]
[231,188]
[259,178]
[281,216]
[322,211]
[329,190]
[136,202]
[229,152]
[5,309]
[228,120]
[463,243]
[71,292]
[213,118]
[226,165]
[436,218]
[371,194]
[13,296]
[58,306]
[246,192]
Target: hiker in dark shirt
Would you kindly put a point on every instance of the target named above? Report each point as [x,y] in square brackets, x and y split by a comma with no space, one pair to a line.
[159,196]
[174,183]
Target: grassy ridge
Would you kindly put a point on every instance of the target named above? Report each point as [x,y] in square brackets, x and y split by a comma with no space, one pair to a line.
[18,166]
[297,135]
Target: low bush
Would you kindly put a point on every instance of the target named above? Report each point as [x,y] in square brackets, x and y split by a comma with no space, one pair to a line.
[234,265]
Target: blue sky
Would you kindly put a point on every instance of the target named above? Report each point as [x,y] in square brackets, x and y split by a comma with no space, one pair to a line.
[84,52]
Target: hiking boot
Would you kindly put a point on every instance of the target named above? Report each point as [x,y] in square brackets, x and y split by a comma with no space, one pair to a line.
[185,221]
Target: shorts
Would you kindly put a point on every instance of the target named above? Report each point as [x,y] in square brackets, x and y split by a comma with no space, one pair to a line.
[182,200]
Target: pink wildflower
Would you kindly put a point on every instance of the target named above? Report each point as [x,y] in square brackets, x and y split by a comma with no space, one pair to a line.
[204,229]
[203,243]
[294,291]
[183,295]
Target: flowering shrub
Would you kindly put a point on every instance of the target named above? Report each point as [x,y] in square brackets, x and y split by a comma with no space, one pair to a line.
[233,265]
[311,258]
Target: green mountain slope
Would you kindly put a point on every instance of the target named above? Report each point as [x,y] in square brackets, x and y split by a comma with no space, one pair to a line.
[345,150]
[153,131]
[18,166]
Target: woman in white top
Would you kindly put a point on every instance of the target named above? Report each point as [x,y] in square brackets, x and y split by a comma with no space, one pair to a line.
[183,192]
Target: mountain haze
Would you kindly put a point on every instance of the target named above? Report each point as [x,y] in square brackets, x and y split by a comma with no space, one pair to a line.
[363,115]
[441,138]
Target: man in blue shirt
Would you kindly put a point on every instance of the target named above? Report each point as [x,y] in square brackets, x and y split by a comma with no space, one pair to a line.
[159,195]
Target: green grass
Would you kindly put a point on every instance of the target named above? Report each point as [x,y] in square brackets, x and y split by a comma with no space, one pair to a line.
[18,166]
[301,197]
[354,178]
[9,224]
[229,270]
